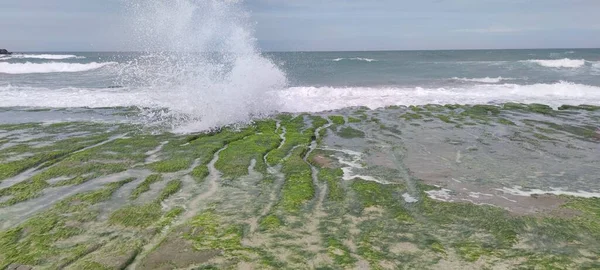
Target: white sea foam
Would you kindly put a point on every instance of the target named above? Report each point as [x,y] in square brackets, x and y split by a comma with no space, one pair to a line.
[409,199]
[518,191]
[305,99]
[228,81]
[46,56]
[313,99]
[482,80]
[440,195]
[559,63]
[28,68]
[355,59]
[596,67]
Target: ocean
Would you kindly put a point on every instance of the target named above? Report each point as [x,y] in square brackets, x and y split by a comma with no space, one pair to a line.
[204,152]
[295,81]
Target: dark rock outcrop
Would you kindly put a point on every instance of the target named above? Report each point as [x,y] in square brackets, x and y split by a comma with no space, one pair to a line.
[4,51]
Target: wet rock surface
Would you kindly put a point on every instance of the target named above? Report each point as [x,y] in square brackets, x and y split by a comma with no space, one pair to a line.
[510,186]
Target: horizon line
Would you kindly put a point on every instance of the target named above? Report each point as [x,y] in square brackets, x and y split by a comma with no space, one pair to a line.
[347,51]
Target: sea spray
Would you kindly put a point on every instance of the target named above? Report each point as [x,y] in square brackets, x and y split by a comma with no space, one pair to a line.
[201,63]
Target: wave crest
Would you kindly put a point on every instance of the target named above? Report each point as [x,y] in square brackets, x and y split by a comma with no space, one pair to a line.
[559,63]
[314,99]
[53,67]
[482,80]
[310,99]
[355,59]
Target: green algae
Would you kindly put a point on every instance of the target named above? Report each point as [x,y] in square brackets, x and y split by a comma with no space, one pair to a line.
[506,122]
[445,119]
[172,187]
[212,234]
[374,194]
[540,108]
[298,187]
[411,116]
[234,161]
[33,242]
[337,119]
[145,185]
[339,252]
[171,165]
[479,235]
[23,191]
[200,173]
[294,136]
[333,178]
[140,216]
[46,155]
[580,107]
[353,120]
[350,133]
[270,222]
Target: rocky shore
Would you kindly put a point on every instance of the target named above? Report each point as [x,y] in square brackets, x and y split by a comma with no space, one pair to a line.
[512,186]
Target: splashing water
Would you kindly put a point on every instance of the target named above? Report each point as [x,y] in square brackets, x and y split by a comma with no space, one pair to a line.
[201,62]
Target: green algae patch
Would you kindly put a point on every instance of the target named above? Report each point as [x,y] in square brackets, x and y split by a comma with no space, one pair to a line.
[540,108]
[13,168]
[140,216]
[270,223]
[337,119]
[534,108]
[333,178]
[353,120]
[493,220]
[78,201]
[340,253]
[209,233]
[172,187]
[44,156]
[200,173]
[234,161]
[145,185]
[116,254]
[13,127]
[506,122]
[296,136]
[387,196]
[171,165]
[318,121]
[471,252]
[445,119]
[411,116]
[350,133]
[23,191]
[298,187]
[33,242]
[590,108]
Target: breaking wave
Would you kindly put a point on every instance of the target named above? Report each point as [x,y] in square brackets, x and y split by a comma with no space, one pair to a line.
[559,63]
[355,59]
[201,61]
[28,68]
[310,99]
[482,80]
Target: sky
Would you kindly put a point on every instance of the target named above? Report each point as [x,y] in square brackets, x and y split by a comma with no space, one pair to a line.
[325,25]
